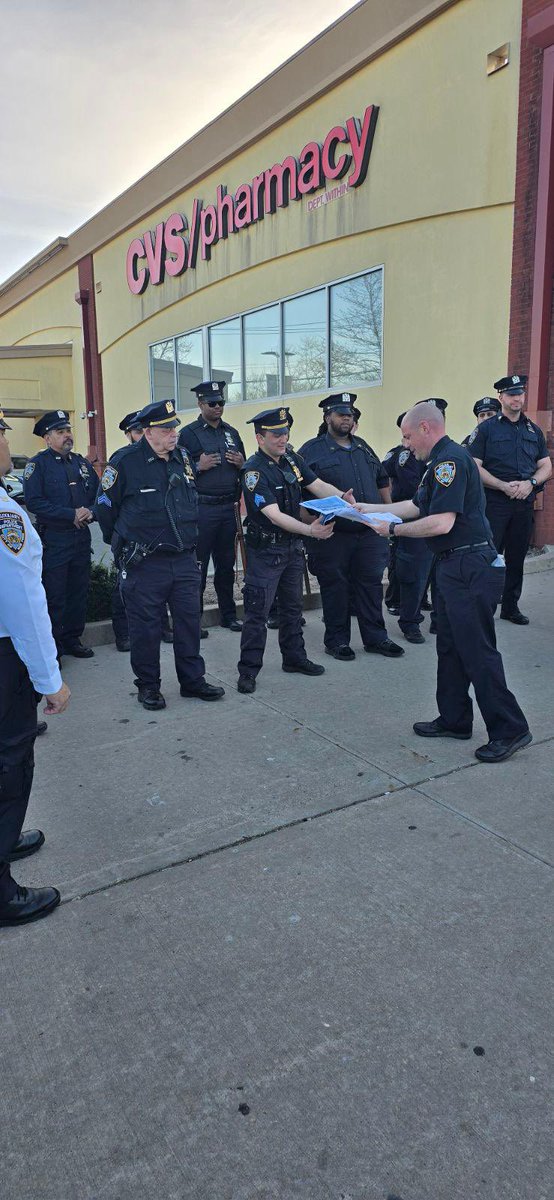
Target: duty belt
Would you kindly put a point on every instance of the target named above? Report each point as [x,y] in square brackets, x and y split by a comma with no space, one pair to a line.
[461,549]
[228,499]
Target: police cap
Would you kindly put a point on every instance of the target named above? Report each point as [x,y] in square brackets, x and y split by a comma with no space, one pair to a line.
[439,403]
[514,385]
[487,404]
[58,419]
[3,423]
[210,389]
[161,414]
[340,402]
[400,419]
[131,421]
[276,420]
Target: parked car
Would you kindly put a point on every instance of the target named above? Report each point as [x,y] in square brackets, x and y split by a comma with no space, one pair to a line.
[19,462]
[14,486]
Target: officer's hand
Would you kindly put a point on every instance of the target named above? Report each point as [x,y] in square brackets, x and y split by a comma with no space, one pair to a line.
[523,489]
[57,702]
[235,457]
[207,461]
[82,517]
[321,531]
[380,527]
[349,497]
[510,489]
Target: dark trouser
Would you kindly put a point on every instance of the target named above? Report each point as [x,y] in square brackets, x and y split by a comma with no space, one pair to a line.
[468,591]
[413,563]
[276,570]
[18,728]
[511,522]
[120,624]
[158,580]
[66,577]
[216,539]
[349,568]
[392,594]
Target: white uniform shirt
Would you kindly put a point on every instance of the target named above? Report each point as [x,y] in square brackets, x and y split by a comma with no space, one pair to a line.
[23,609]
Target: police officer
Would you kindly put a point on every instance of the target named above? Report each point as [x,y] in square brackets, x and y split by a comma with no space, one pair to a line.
[218,453]
[272,482]
[349,571]
[149,501]
[483,409]
[448,510]
[514,464]
[412,557]
[59,488]
[28,669]
[132,428]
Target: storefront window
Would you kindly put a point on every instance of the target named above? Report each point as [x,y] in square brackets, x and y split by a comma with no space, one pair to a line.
[262,354]
[190,370]
[305,343]
[357,330]
[162,370]
[225,356]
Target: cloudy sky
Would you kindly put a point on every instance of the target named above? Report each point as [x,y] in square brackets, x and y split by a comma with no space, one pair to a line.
[94,94]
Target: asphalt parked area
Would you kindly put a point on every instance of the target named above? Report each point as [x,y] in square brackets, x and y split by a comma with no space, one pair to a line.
[301,952]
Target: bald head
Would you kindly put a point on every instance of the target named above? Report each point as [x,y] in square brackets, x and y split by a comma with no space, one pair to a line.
[422,427]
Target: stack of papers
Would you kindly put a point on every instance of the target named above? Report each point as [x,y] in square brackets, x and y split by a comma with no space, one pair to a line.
[333,506]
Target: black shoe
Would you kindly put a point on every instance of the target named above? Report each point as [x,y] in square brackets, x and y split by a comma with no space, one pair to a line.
[123,644]
[246,684]
[393,610]
[304,668]
[235,625]
[203,691]
[203,634]
[437,729]
[29,904]
[426,605]
[414,636]
[517,618]
[150,698]
[27,843]
[42,726]
[78,650]
[343,653]
[167,637]
[495,752]
[272,622]
[386,647]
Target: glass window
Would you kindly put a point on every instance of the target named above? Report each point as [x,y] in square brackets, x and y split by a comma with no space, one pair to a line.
[305,343]
[357,330]
[162,359]
[225,356]
[262,354]
[190,369]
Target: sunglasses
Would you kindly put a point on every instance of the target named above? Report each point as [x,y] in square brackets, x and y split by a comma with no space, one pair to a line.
[215,403]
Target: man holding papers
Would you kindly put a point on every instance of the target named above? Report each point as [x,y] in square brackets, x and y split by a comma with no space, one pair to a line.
[448,510]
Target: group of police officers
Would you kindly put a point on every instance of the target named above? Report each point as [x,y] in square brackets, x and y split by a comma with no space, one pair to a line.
[167,504]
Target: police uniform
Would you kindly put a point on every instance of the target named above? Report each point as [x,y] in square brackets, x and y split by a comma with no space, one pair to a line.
[275,558]
[218,490]
[54,487]
[350,566]
[469,588]
[510,450]
[150,504]
[412,557]
[489,405]
[28,669]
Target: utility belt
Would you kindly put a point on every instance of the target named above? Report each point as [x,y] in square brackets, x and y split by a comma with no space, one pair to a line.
[130,554]
[229,498]
[258,538]
[464,549]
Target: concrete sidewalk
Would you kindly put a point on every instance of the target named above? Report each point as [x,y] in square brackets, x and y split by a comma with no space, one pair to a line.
[289,929]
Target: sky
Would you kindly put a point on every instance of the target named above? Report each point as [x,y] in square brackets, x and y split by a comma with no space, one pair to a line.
[94,94]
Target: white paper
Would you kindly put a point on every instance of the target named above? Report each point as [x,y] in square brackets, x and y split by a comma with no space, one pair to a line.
[331,507]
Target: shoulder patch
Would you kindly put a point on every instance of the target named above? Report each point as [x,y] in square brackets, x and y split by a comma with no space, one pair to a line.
[403,457]
[109,476]
[445,472]
[388,456]
[29,470]
[251,479]
[12,531]
[472,437]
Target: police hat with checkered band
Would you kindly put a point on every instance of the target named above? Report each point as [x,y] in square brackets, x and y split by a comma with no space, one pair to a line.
[59,419]
[438,402]
[340,402]
[272,420]
[131,421]
[3,423]
[210,389]
[160,415]
[487,404]
[514,385]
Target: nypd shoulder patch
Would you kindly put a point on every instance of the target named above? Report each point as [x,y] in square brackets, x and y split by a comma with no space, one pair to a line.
[251,479]
[472,437]
[109,476]
[445,472]
[29,470]
[403,457]
[12,531]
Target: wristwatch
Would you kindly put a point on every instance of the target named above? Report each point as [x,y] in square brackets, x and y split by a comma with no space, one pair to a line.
[533,482]
[392,528]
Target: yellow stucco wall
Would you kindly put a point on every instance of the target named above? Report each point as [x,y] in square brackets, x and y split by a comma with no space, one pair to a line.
[33,383]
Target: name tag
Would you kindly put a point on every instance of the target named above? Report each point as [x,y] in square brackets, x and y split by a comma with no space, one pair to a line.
[148,490]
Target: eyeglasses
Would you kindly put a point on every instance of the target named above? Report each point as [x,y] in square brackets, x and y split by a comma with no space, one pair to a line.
[215,403]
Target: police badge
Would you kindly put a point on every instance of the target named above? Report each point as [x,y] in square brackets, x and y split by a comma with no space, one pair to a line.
[251,479]
[445,472]
[12,531]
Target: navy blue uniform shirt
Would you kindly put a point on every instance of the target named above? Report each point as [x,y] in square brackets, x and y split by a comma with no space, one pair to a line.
[55,486]
[508,449]
[201,438]
[148,499]
[452,483]
[404,471]
[267,482]
[356,466]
